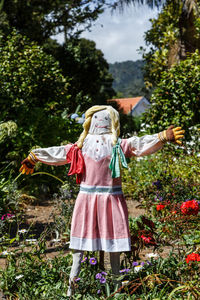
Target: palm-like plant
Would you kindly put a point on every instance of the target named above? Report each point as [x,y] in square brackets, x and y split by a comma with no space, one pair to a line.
[188,5]
[191,5]
[187,42]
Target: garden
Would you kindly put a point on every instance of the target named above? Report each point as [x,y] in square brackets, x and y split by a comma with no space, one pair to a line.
[42,84]
[165,237]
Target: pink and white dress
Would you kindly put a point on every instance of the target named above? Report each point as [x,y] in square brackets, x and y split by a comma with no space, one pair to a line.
[100,216]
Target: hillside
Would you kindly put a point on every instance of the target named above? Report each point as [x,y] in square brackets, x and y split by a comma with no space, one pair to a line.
[128,78]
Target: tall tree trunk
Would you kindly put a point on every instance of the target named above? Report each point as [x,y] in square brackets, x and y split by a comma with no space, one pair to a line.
[188,41]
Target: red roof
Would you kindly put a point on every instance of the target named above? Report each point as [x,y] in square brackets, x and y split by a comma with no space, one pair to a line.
[126,104]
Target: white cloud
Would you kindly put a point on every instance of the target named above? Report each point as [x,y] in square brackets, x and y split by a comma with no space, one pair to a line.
[119,35]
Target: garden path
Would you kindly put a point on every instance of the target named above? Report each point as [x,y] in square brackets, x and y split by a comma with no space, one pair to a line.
[40,218]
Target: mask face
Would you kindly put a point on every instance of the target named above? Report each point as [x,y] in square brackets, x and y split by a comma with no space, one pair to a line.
[100,123]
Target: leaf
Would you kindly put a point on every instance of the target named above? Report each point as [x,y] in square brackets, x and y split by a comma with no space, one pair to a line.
[12,240]
[177,289]
[107,287]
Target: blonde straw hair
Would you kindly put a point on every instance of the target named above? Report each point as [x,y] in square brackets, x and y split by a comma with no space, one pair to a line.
[115,125]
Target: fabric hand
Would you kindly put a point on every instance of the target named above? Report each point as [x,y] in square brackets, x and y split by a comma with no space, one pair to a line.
[28,164]
[172,135]
[178,134]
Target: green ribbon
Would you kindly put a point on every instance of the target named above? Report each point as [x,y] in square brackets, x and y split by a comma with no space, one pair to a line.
[117,154]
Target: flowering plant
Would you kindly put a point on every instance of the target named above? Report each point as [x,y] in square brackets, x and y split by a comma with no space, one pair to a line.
[84,259]
[192,257]
[93,261]
[160,207]
[148,240]
[6,216]
[190,207]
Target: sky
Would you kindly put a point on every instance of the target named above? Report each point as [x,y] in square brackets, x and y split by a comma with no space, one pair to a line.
[120,35]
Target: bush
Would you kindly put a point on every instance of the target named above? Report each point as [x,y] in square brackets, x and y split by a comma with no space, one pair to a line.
[34,101]
[170,174]
[176,98]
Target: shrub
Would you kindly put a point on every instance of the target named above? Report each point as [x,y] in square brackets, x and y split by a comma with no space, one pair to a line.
[176,98]
[34,102]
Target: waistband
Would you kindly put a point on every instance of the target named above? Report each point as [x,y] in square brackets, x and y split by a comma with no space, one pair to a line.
[100,189]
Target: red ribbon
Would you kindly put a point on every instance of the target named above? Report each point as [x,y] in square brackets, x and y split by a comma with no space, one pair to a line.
[75,157]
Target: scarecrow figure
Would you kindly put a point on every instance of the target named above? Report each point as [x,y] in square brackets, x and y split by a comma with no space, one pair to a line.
[100,216]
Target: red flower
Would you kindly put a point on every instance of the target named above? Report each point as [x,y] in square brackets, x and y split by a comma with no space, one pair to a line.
[147,240]
[190,207]
[160,206]
[192,257]
[7,216]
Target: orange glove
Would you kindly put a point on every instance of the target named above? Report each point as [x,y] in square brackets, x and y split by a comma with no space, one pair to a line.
[28,164]
[178,134]
[172,135]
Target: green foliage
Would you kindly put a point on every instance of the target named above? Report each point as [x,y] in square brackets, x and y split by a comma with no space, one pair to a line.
[162,35]
[29,78]
[79,60]
[176,171]
[35,278]
[36,99]
[173,34]
[33,97]
[64,203]
[40,20]
[123,3]
[9,200]
[176,98]
[129,125]
[9,195]
[128,78]
[167,177]
[156,279]
[90,80]
[7,130]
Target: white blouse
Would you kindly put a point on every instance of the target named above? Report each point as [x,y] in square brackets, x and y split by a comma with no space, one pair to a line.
[98,147]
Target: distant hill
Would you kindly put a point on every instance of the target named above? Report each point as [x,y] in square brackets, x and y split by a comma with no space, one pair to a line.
[128,78]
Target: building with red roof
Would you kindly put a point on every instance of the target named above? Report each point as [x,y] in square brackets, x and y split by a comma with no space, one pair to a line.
[131,106]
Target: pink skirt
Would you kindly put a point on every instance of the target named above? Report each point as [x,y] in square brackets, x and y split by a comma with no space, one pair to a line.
[100,221]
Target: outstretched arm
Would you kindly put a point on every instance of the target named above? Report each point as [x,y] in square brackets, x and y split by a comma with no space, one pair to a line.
[148,144]
[51,156]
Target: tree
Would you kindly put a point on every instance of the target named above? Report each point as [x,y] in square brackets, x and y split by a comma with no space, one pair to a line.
[128,78]
[39,20]
[176,100]
[91,82]
[122,3]
[35,97]
[33,94]
[174,33]
[79,59]
[35,104]
[163,39]
[189,5]
[171,37]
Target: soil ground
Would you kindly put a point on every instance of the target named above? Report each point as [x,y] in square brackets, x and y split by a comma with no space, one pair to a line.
[40,217]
